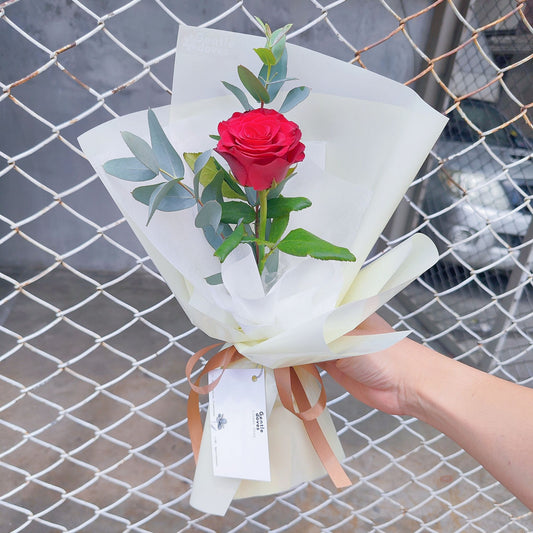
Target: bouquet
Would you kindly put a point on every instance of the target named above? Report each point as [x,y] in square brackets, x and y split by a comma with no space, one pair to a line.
[261,228]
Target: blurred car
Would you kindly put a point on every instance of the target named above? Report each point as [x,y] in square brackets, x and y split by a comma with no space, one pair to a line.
[477,201]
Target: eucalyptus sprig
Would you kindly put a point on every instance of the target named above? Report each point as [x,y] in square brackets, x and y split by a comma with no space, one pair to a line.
[264,87]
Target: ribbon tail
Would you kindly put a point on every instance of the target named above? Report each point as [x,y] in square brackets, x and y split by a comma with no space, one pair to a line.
[318,440]
[290,386]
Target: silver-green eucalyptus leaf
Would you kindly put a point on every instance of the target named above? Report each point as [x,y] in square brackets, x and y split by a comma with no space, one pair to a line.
[169,160]
[202,160]
[277,73]
[141,150]
[239,94]
[176,199]
[156,197]
[215,279]
[209,215]
[129,169]
[294,97]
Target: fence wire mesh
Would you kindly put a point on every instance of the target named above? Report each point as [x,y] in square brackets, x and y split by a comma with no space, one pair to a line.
[92,344]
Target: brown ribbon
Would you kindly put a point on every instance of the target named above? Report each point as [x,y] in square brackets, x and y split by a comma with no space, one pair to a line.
[292,395]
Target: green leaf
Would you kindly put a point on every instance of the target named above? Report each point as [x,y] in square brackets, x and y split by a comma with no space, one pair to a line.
[216,137]
[253,85]
[166,155]
[294,97]
[209,215]
[239,94]
[302,243]
[176,199]
[281,206]
[233,212]
[190,158]
[266,56]
[230,188]
[141,150]
[278,227]
[278,73]
[215,279]
[230,243]
[129,169]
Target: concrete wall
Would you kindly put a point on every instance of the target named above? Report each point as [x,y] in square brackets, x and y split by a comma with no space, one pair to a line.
[97,65]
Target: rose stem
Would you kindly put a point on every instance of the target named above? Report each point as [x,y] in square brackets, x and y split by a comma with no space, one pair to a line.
[262,227]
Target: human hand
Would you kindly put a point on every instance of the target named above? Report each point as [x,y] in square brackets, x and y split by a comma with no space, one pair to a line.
[383,380]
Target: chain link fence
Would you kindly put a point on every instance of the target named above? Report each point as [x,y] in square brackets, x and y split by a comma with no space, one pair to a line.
[92,344]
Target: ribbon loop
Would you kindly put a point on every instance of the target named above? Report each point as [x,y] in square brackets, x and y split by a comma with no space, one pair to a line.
[220,360]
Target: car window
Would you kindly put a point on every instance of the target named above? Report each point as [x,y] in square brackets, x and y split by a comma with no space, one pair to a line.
[486,117]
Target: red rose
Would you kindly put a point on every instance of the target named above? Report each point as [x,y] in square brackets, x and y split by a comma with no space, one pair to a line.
[260,146]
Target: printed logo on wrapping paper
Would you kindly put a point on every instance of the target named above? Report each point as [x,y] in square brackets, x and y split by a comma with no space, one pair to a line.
[238,421]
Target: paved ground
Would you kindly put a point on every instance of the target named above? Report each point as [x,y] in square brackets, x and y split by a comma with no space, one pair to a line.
[93,434]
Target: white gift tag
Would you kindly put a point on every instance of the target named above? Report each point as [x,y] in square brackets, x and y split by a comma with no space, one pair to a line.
[237,414]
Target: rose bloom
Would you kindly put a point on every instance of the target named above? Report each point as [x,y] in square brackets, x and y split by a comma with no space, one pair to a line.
[260,146]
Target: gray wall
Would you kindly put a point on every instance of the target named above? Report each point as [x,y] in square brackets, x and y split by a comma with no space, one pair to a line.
[97,65]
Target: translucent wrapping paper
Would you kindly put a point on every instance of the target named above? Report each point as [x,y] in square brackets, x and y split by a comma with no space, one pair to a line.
[366,137]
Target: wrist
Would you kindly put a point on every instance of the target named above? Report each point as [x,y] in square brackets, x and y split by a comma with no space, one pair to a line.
[424,378]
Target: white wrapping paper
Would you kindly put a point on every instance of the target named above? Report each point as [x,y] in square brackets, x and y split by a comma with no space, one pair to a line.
[366,137]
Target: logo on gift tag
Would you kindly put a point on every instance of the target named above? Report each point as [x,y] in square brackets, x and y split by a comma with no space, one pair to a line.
[237,416]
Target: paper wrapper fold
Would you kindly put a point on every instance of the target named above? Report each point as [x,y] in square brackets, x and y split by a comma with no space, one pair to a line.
[366,137]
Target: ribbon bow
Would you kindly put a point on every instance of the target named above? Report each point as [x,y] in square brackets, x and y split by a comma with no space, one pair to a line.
[292,395]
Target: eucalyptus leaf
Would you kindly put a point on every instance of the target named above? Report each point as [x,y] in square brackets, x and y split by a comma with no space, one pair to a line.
[215,279]
[294,97]
[239,94]
[251,194]
[202,160]
[213,190]
[209,215]
[266,56]
[279,34]
[281,206]
[264,27]
[230,243]
[141,150]
[176,199]
[278,227]
[277,72]
[278,48]
[166,155]
[271,267]
[277,190]
[302,243]
[213,237]
[253,85]
[157,197]
[129,169]
[233,212]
